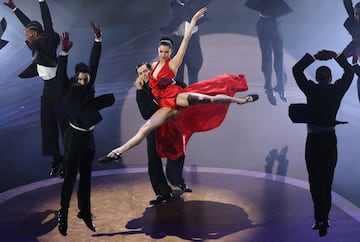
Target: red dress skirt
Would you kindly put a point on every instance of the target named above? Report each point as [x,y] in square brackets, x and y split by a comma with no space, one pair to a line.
[173,136]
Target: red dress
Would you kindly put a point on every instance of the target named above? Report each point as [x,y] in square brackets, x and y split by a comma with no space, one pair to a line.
[173,136]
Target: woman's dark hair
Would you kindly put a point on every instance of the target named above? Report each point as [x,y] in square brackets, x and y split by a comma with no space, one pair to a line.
[357,5]
[167,41]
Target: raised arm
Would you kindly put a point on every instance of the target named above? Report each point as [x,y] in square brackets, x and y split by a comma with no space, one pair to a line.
[349,7]
[95,53]
[299,68]
[178,58]
[21,16]
[347,77]
[46,17]
[61,72]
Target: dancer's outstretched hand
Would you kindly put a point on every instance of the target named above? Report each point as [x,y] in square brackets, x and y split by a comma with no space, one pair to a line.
[66,43]
[10,4]
[96,30]
[199,14]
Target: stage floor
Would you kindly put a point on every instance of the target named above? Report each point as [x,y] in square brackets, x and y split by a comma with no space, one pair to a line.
[225,205]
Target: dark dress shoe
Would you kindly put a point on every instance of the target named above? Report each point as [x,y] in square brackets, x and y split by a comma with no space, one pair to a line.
[184,188]
[106,159]
[161,198]
[62,173]
[317,225]
[87,219]
[62,221]
[322,227]
[54,168]
[252,98]
[270,96]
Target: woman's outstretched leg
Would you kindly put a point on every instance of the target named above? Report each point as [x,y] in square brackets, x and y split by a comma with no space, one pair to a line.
[157,119]
[187,99]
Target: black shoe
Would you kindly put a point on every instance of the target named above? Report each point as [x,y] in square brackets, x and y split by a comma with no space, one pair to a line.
[161,198]
[62,221]
[252,98]
[184,188]
[87,219]
[281,94]
[270,96]
[62,173]
[54,168]
[317,225]
[106,159]
[321,227]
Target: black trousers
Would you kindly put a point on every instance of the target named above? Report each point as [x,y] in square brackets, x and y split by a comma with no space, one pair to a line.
[52,118]
[271,43]
[193,58]
[174,169]
[79,155]
[321,157]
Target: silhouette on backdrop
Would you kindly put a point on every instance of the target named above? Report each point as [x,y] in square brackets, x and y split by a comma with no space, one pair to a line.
[268,29]
[3,24]
[181,12]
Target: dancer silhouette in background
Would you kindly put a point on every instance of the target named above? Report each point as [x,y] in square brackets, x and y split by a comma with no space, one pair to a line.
[352,25]
[82,109]
[268,29]
[43,43]
[181,12]
[323,101]
[3,24]
[174,168]
[217,93]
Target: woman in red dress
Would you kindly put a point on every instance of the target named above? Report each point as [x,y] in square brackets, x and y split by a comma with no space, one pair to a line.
[179,114]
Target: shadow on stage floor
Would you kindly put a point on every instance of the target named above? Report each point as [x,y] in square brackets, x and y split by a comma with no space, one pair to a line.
[225,205]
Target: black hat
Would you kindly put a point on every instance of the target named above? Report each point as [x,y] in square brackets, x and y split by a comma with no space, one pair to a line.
[82,67]
[36,26]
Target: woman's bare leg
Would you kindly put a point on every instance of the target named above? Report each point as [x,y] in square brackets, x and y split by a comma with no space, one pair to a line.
[157,119]
[191,98]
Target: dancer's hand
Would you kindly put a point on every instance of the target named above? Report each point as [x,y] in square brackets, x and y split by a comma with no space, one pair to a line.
[199,14]
[96,30]
[355,59]
[66,43]
[111,156]
[139,83]
[325,55]
[10,4]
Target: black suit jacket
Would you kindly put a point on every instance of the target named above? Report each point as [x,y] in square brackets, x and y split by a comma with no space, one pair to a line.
[44,49]
[323,99]
[146,102]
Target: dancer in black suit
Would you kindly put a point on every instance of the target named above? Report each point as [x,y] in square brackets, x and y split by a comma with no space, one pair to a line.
[82,109]
[174,168]
[323,101]
[181,12]
[43,43]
